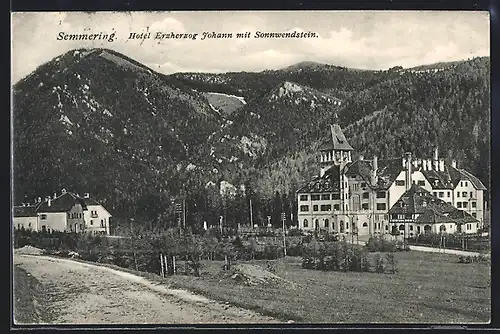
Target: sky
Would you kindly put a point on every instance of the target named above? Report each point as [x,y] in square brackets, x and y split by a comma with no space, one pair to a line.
[357,39]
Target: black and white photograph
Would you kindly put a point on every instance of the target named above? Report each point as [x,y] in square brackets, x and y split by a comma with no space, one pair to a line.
[250,167]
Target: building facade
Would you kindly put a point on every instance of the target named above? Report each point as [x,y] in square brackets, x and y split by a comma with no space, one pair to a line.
[67,212]
[356,195]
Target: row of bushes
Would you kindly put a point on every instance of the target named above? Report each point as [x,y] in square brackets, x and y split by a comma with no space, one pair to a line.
[341,256]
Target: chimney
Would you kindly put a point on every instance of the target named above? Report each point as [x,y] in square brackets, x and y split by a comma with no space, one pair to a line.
[436,159]
[361,157]
[63,191]
[49,201]
[404,162]
[55,195]
[424,165]
[429,164]
[86,195]
[408,170]
[454,163]
[441,165]
[419,163]
[39,200]
[374,171]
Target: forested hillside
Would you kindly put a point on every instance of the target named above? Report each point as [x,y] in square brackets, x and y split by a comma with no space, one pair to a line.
[97,121]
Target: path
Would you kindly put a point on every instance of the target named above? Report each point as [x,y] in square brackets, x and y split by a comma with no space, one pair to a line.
[432,249]
[83,293]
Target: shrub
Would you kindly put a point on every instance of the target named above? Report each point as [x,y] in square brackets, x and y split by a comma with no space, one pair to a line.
[381,244]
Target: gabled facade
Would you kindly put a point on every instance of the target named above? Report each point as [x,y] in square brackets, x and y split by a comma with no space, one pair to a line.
[67,212]
[355,196]
[96,217]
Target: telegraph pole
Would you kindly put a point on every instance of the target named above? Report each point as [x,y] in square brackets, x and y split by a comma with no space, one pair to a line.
[283,218]
[251,213]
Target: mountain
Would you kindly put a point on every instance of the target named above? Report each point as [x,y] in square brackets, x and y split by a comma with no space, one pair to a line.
[97,121]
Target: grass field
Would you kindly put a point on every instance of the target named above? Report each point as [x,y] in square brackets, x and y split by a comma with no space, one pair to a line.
[428,288]
[30,299]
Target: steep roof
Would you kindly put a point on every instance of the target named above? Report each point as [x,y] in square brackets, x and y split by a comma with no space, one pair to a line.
[431,209]
[329,182]
[336,140]
[474,180]
[450,177]
[25,211]
[387,171]
[62,203]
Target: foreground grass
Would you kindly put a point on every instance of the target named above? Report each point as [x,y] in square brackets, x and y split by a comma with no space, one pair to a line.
[428,288]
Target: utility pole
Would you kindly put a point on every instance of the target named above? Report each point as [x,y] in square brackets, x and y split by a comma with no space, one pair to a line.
[283,218]
[251,213]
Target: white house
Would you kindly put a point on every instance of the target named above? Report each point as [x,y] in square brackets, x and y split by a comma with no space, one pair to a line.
[67,212]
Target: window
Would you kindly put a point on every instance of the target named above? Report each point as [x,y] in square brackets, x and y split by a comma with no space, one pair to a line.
[459,205]
[434,193]
[326,207]
[29,224]
[421,183]
[471,194]
[336,207]
[451,226]
[458,193]
[315,208]
[365,224]
[363,184]
[43,216]
[441,194]
[306,223]
[465,205]
[336,196]
[325,197]
[461,184]
[91,222]
[304,208]
[381,206]
[468,226]
[315,197]
[464,194]
[400,183]
[474,215]
[364,206]
[380,194]
[303,197]
[102,223]
[401,227]
[411,227]
[81,227]
[347,225]
[379,226]
[386,227]
[355,187]
[473,204]
[466,183]
[327,223]
[366,195]
[448,194]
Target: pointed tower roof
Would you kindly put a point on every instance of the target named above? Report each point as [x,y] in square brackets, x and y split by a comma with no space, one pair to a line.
[336,140]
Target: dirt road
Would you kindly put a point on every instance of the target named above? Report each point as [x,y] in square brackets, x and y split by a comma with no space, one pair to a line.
[81,293]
